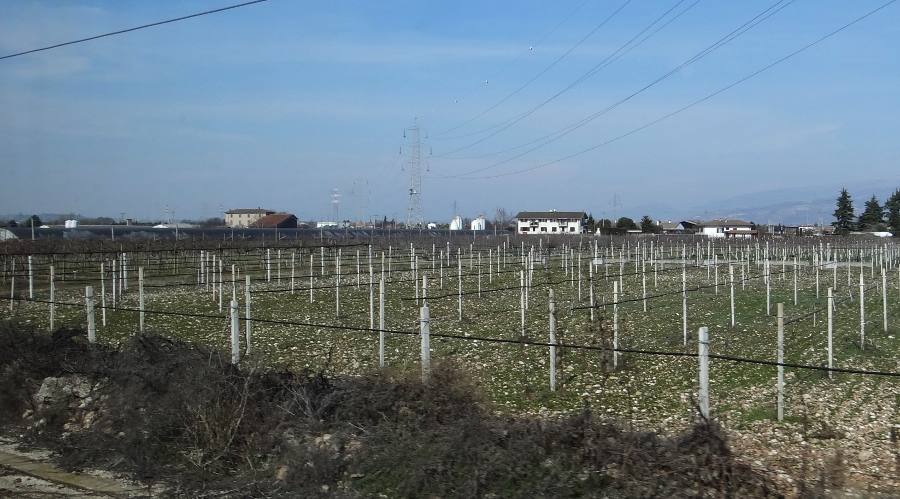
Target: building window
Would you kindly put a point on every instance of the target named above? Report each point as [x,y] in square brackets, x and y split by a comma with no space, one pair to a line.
[554,229]
[571,229]
[543,229]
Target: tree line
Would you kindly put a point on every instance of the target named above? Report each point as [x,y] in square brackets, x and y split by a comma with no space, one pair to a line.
[875,217]
[622,224]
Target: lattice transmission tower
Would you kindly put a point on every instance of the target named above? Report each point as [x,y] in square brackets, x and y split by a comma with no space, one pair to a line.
[414,166]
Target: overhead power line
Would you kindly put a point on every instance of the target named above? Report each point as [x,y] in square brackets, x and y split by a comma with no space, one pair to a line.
[546,68]
[609,59]
[540,142]
[128,30]
[694,103]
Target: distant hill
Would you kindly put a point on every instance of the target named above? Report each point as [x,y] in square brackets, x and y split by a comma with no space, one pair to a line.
[797,205]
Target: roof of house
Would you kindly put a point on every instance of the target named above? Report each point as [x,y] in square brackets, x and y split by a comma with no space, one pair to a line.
[578,215]
[725,222]
[274,220]
[668,225]
[248,211]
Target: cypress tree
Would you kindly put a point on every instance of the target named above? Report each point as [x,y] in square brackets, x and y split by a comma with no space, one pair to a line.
[892,209]
[872,218]
[843,214]
[647,225]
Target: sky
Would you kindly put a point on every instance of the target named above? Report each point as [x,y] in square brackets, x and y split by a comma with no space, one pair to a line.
[277,104]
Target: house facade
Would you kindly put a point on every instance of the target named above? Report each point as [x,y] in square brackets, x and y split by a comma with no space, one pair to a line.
[727,228]
[551,222]
[245,217]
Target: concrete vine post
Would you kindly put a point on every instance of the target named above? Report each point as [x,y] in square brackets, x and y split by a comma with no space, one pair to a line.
[779,386]
[684,308]
[53,299]
[293,261]
[425,336]
[114,279]
[337,284]
[479,274]
[248,322]
[731,285]
[644,287]
[816,263]
[579,276]
[89,307]
[716,266]
[830,331]
[862,312]
[552,342]
[233,282]
[30,279]
[12,287]
[796,264]
[884,299]
[591,288]
[459,281]
[141,297]
[102,295]
[235,333]
[371,305]
[768,289]
[615,324]
[221,282]
[414,265]
[490,267]
[703,357]
[381,323]
[522,301]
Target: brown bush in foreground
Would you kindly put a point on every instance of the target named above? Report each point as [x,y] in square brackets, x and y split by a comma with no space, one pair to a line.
[165,410]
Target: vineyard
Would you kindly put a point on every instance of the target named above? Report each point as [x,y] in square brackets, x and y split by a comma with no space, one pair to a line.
[802,351]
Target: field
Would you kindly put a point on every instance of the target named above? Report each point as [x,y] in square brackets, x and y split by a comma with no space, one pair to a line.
[842,426]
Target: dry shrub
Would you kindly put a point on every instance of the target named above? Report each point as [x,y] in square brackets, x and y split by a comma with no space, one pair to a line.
[170,410]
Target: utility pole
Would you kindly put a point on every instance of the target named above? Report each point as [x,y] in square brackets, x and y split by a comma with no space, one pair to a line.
[414,216]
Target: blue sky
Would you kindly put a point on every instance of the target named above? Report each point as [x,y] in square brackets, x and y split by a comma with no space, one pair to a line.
[276,104]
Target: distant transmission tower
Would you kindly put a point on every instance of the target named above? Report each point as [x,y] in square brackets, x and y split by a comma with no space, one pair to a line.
[336,205]
[414,216]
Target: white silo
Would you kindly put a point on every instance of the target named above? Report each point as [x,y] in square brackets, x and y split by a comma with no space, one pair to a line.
[456,223]
[479,223]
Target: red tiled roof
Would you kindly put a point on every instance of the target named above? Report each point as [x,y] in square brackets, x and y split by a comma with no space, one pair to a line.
[275,220]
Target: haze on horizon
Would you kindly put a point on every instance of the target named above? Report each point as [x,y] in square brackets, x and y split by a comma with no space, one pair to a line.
[276,104]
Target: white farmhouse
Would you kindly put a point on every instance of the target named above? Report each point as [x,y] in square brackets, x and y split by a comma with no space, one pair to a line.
[726,227]
[551,222]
